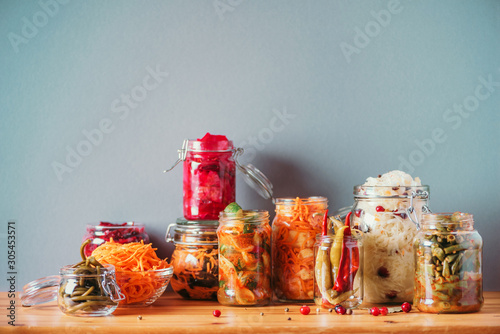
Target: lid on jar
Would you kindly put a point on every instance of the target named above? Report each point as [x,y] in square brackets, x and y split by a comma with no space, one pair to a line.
[447,221]
[192,232]
[362,191]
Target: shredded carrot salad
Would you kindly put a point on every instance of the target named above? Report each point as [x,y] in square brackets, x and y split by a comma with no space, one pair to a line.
[295,227]
[195,271]
[135,264]
[244,263]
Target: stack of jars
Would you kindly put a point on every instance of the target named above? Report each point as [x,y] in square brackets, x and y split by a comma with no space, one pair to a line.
[218,254]
[209,186]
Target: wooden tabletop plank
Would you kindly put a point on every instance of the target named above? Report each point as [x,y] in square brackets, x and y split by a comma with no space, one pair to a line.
[171,314]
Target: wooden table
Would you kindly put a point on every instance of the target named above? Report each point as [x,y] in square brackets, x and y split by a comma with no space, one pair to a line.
[170,314]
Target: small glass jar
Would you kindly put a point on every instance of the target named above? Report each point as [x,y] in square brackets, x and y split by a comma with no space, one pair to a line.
[209,177]
[382,214]
[244,258]
[120,232]
[78,291]
[195,258]
[338,269]
[295,226]
[448,264]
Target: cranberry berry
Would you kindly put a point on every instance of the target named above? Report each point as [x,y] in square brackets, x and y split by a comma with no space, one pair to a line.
[406,307]
[305,310]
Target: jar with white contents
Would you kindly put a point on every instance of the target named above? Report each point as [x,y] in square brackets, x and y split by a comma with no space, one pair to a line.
[381,212]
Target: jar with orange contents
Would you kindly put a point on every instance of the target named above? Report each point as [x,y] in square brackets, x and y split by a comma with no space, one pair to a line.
[297,222]
[195,258]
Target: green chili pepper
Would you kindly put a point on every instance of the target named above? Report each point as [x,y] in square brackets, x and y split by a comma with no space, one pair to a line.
[336,250]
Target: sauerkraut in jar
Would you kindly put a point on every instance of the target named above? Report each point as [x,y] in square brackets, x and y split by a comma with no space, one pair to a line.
[380,211]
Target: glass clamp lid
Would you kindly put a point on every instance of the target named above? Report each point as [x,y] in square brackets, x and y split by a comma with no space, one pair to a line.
[254,177]
[192,232]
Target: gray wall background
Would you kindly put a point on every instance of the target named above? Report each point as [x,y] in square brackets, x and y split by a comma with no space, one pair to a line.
[365,87]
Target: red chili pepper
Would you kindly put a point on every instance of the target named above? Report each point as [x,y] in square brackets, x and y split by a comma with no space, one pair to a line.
[347,269]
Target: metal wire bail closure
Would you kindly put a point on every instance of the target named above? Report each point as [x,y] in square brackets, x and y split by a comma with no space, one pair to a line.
[182,155]
[111,288]
[411,210]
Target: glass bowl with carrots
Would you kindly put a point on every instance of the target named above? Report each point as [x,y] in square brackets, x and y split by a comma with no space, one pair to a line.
[141,275]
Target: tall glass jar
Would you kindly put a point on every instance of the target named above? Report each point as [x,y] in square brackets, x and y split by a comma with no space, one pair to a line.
[448,264]
[295,226]
[338,269]
[209,177]
[381,213]
[244,258]
[195,258]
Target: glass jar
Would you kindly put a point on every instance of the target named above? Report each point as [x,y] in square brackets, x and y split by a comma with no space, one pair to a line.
[79,292]
[244,258]
[209,177]
[382,214]
[195,258]
[448,264]
[121,233]
[338,273]
[295,226]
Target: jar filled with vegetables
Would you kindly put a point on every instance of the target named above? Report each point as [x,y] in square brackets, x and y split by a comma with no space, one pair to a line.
[244,257]
[381,213]
[195,258]
[120,232]
[448,264]
[85,289]
[338,259]
[295,226]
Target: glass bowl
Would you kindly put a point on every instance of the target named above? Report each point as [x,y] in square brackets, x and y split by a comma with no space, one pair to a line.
[143,288]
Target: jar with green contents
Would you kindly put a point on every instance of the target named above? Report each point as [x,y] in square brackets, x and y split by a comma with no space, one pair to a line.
[448,264]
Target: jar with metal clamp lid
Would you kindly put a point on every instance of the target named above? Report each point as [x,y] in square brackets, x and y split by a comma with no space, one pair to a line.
[448,264]
[382,213]
[79,290]
[195,258]
[209,182]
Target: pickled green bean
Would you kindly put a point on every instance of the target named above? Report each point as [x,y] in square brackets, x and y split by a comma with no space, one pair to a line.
[88,291]
[438,252]
[455,248]
[455,268]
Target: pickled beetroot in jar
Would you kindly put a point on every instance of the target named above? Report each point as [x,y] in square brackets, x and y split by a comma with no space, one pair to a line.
[122,233]
[209,177]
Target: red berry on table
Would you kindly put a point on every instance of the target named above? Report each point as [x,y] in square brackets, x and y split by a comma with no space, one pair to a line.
[374,311]
[339,309]
[216,313]
[380,208]
[406,307]
[305,310]
[384,310]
